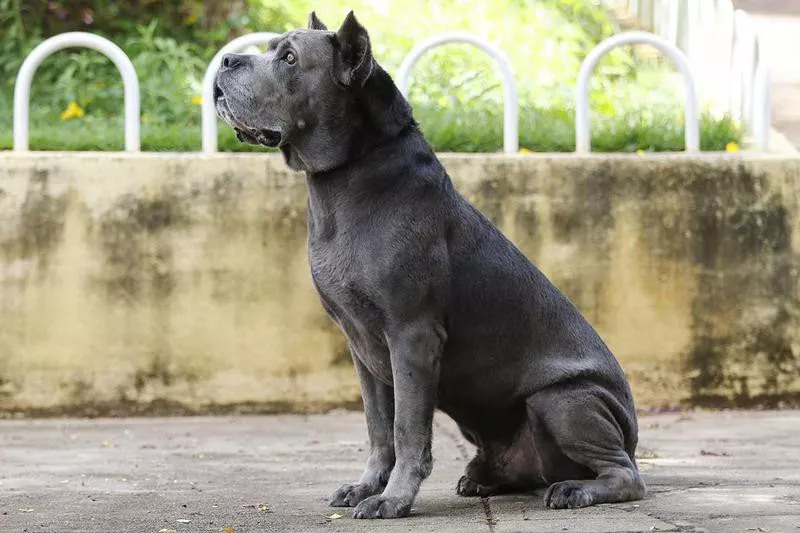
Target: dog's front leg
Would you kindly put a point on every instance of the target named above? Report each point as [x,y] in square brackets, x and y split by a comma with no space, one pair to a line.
[415,353]
[379,411]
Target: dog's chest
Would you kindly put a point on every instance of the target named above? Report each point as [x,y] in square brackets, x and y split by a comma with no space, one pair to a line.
[340,277]
[347,292]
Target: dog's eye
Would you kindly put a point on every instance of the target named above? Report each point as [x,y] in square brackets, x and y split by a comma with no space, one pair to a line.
[290,58]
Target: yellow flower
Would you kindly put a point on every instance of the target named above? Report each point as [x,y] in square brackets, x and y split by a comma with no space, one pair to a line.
[197,100]
[73,110]
[732,148]
[525,151]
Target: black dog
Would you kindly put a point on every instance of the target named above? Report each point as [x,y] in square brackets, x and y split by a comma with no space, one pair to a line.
[439,308]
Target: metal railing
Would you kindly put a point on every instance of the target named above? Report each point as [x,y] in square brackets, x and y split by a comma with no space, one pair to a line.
[511,101]
[692,119]
[723,50]
[753,101]
[209,112]
[22,86]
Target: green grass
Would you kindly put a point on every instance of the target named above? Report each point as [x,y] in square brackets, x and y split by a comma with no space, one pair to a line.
[553,130]
[449,130]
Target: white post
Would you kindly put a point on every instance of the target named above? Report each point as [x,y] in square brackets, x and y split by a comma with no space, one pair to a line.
[662,18]
[744,61]
[209,112]
[745,50]
[646,10]
[22,87]
[723,72]
[692,121]
[511,104]
[762,105]
[680,15]
[633,7]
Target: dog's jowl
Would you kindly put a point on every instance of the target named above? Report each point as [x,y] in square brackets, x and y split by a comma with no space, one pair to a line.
[439,308]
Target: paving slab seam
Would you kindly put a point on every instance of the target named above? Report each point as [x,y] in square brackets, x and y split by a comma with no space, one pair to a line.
[487,511]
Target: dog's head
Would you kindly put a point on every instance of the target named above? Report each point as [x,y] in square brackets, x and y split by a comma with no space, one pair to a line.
[318,95]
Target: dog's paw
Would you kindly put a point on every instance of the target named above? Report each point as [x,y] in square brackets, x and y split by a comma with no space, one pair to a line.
[469,487]
[350,495]
[568,495]
[379,506]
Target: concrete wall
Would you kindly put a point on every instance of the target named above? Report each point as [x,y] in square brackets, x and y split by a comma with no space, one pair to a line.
[135,283]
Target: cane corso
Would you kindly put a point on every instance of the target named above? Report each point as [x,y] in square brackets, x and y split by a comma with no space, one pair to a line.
[439,308]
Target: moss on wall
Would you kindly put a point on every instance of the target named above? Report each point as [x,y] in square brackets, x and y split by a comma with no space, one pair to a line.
[175,283]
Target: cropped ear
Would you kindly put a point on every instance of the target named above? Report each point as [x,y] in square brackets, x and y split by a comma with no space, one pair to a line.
[314,23]
[357,63]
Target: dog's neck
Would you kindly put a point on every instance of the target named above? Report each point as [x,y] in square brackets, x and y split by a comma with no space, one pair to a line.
[370,168]
[379,114]
[365,185]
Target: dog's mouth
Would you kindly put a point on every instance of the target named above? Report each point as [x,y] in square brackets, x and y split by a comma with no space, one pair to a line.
[263,136]
[269,138]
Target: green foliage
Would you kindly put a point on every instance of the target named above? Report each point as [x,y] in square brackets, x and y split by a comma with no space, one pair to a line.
[456,92]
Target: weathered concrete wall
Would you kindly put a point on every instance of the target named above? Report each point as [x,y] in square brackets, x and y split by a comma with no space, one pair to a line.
[128,282]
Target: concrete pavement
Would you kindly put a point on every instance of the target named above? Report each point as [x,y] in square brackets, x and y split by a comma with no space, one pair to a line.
[737,471]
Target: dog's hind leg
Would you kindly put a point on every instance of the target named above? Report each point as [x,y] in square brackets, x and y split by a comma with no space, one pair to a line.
[502,465]
[586,438]
[379,411]
[493,477]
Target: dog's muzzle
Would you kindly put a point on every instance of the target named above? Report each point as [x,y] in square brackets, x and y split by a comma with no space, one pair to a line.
[245,134]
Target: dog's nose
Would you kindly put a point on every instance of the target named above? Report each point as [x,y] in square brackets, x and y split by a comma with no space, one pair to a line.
[234,60]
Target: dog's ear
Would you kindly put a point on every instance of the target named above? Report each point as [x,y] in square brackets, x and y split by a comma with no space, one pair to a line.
[314,23]
[357,63]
